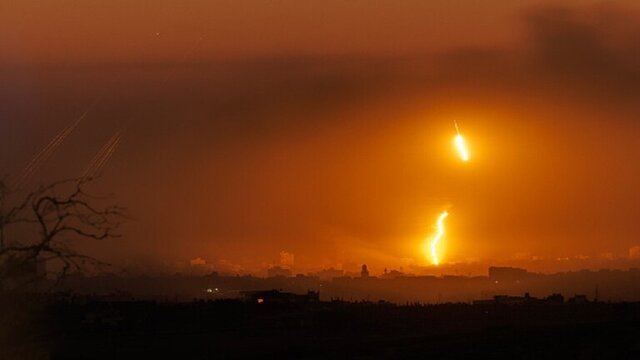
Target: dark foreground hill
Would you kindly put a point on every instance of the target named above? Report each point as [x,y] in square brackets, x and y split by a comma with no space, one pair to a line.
[233,329]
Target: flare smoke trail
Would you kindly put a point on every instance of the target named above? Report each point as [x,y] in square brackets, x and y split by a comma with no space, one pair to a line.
[102,156]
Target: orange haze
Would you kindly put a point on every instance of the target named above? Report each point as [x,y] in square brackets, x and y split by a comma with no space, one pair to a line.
[323,129]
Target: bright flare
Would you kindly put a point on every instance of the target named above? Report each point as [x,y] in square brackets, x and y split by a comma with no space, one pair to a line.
[437,237]
[462,150]
[460,145]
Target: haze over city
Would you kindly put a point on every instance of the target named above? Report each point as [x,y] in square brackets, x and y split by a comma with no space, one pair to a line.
[247,129]
[304,179]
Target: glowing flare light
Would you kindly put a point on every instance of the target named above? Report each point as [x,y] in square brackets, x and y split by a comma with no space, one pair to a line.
[462,150]
[436,239]
[460,145]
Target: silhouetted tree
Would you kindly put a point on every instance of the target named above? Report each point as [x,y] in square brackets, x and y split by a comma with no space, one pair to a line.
[37,228]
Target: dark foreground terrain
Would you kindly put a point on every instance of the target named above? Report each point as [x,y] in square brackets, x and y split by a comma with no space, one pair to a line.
[80,329]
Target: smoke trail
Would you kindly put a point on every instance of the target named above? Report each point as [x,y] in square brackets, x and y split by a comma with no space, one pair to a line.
[99,155]
[37,158]
[43,155]
[102,156]
[107,157]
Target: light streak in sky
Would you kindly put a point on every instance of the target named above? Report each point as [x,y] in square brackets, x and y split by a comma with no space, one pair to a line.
[460,144]
[436,239]
[105,153]
[102,157]
[41,157]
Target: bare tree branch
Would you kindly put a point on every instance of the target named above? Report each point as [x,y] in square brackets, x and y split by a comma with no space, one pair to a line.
[60,212]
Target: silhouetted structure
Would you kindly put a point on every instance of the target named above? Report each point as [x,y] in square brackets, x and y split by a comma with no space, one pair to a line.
[276,271]
[364,273]
[521,300]
[329,274]
[614,285]
[578,299]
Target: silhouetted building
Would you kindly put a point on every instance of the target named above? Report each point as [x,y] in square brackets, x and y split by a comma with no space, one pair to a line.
[392,274]
[331,273]
[511,300]
[578,299]
[554,299]
[276,271]
[521,300]
[364,273]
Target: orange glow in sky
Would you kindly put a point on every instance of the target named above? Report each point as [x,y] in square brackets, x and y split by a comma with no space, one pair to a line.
[321,130]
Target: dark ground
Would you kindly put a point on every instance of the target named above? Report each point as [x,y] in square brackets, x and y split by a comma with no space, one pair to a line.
[44,328]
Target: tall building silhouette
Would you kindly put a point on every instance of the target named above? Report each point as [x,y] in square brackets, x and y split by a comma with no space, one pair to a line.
[364,273]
